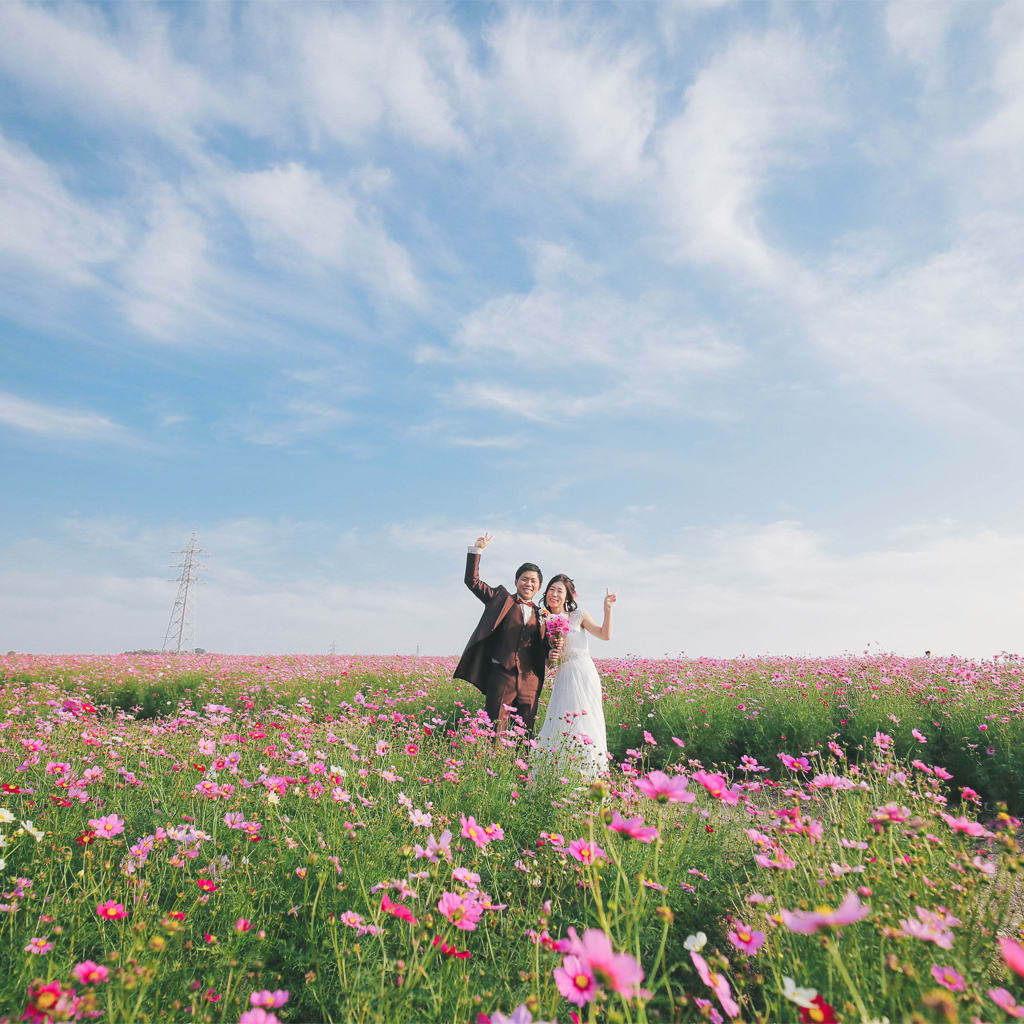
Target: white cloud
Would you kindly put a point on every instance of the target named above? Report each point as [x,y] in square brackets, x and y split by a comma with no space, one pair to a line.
[577,347]
[291,212]
[918,31]
[757,109]
[55,421]
[397,68]
[565,88]
[45,225]
[770,587]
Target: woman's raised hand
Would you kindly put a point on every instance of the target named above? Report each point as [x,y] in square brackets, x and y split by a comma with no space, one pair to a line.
[609,599]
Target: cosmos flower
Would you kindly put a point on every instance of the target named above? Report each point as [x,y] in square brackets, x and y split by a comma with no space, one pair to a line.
[88,972]
[949,977]
[718,984]
[633,827]
[111,910]
[745,938]
[665,789]
[586,852]
[807,922]
[463,911]
[269,1000]
[1013,954]
[107,827]
[575,980]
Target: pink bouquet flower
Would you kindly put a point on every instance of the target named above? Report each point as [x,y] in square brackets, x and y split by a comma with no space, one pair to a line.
[556,627]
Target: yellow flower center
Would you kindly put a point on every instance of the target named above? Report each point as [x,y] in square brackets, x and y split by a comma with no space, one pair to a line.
[581,981]
[816,1015]
[823,909]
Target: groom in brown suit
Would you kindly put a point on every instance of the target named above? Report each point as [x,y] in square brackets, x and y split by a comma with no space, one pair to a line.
[505,656]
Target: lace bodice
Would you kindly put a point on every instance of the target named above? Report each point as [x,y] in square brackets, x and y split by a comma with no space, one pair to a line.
[577,642]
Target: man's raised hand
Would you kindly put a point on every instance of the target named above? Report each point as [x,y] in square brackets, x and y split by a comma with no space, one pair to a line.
[482,542]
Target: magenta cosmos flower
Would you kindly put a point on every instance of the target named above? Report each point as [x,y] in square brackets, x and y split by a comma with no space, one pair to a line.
[807,922]
[965,825]
[633,827]
[949,978]
[666,789]
[269,1000]
[717,786]
[107,827]
[257,1015]
[575,980]
[1006,1002]
[618,971]
[475,832]
[745,938]
[111,910]
[463,911]
[1013,954]
[585,851]
[88,972]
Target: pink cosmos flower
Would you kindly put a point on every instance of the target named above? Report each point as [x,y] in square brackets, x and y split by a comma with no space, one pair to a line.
[90,973]
[1013,954]
[243,924]
[111,910]
[965,825]
[617,971]
[928,930]
[575,981]
[107,827]
[949,978]
[463,911]
[717,983]
[436,848]
[664,788]
[807,922]
[258,1015]
[269,1000]
[717,786]
[39,946]
[520,1015]
[586,852]
[919,736]
[471,830]
[745,938]
[399,910]
[1006,1002]
[633,827]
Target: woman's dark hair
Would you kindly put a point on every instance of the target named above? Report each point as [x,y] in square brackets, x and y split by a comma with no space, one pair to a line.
[570,591]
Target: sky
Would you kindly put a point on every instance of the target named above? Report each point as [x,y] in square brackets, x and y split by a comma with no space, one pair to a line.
[715,304]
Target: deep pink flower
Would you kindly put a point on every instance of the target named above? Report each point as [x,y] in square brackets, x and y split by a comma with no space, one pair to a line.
[717,786]
[257,1015]
[1013,954]
[575,981]
[633,827]
[807,922]
[585,851]
[949,978]
[90,973]
[664,788]
[111,910]
[398,910]
[463,911]
[471,830]
[745,938]
[243,924]
[965,825]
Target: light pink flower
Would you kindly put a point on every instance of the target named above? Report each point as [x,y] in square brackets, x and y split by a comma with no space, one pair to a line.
[717,983]
[39,946]
[807,922]
[575,981]
[258,1015]
[471,830]
[1006,1002]
[965,825]
[269,1000]
[927,931]
[107,827]
[617,971]
[666,789]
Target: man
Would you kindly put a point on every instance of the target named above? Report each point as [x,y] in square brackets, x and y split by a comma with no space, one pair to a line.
[505,656]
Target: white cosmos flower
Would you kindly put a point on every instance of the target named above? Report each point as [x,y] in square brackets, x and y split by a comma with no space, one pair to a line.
[695,943]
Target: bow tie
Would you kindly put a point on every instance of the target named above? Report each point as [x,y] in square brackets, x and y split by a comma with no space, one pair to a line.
[520,600]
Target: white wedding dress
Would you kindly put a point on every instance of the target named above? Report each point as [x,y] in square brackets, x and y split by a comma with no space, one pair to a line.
[573,738]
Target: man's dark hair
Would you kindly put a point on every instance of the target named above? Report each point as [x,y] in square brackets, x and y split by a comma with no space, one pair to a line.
[529,567]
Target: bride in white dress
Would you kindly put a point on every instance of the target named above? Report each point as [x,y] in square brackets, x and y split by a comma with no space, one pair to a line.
[573,734]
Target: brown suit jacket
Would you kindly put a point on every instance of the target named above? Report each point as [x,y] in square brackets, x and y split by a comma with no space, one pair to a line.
[474,665]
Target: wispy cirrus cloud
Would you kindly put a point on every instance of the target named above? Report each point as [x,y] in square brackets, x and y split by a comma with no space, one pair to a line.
[53,421]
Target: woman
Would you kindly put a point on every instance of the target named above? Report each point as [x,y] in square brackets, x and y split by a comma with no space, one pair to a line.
[573,731]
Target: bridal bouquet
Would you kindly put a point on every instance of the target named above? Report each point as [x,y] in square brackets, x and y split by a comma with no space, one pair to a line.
[556,627]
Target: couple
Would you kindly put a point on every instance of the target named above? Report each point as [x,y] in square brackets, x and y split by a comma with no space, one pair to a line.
[510,648]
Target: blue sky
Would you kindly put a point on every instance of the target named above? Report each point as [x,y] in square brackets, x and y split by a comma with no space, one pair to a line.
[718,304]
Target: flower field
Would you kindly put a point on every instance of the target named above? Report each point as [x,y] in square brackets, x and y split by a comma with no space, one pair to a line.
[322,838]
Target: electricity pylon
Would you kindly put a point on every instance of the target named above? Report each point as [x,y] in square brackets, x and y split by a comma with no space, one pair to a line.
[181,630]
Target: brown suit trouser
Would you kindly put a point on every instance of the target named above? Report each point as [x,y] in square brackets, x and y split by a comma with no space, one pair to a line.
[510,687]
